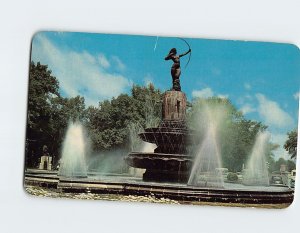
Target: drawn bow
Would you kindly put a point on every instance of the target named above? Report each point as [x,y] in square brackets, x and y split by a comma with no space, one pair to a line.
[189,49]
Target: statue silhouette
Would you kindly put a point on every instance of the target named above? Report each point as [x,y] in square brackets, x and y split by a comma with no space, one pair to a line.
[175,69]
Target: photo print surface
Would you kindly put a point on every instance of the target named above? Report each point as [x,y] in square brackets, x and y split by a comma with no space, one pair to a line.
[162,119]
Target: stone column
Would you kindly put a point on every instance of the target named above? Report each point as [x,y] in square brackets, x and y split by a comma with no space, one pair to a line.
[174,106]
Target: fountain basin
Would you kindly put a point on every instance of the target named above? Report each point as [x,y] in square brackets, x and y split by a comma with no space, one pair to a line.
[236,194]
[162,167]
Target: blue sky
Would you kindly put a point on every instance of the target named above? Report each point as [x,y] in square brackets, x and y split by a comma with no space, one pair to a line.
[261,79]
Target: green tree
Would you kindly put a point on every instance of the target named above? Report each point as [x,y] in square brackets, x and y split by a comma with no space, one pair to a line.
[42,88]
[48,114]
[281,161]
[108,124]
[148,100]
[291,143]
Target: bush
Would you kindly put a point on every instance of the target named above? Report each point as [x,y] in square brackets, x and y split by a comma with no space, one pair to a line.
[232,176]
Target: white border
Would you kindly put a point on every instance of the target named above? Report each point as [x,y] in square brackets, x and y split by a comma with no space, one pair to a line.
[277,21]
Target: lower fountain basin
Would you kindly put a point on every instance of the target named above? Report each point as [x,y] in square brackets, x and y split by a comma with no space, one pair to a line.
[118,184]
[171,162]
[161,167]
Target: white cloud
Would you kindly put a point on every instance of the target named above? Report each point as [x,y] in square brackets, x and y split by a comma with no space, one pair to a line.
[247,86]
[118,63]
[272,114]
[247,108]
[103,61]
[204,93]
[79,72]
[244,99]
[296,95]
[223,96]
[280,140]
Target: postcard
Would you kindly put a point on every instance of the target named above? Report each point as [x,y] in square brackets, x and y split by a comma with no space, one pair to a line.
[162,119]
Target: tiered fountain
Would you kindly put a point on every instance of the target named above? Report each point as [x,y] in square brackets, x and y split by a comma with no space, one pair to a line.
[169,162]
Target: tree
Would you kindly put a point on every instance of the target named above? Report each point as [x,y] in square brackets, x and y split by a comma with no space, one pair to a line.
[149,104]
[108,125]
[48,114]
[291,143]
[281,161]
[42,87]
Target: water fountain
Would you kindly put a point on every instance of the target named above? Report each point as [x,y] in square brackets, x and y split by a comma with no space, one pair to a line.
[256,172]
[169,162]
[208,160]
[73,162]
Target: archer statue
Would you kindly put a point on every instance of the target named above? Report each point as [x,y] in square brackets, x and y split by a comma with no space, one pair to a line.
[175,69]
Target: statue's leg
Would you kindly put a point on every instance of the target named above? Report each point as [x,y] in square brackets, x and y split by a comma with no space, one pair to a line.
[175,76]
[176,85]
[178,73]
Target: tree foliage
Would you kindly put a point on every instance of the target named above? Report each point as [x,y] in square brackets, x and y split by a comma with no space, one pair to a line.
[275,167]
[291,143]
[48,114]
[108,124]
[42,87]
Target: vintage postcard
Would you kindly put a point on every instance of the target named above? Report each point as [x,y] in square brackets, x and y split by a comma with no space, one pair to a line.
[162,119]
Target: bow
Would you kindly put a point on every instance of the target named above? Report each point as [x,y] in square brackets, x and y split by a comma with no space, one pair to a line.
[189,49]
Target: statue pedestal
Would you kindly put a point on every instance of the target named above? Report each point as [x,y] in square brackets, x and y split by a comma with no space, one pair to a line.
[174,106]
[46,163]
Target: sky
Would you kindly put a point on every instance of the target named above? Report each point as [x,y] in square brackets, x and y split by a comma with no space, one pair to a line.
[261,79]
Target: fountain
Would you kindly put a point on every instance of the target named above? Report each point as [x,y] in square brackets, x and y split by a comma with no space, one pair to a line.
[169,162]
[256,172]
[208,160]
[73,162]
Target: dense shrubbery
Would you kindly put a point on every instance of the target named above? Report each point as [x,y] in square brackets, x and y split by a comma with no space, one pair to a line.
[291,143]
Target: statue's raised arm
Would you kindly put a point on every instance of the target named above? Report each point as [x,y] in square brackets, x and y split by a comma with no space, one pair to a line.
[181,55]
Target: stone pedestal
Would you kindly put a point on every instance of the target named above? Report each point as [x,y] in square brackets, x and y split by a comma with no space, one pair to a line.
[174,106]
[46,163]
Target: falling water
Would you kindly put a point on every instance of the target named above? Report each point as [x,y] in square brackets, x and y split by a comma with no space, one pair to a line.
[148,147]
[152,120]
[256,172]
[73,162]
[204,171]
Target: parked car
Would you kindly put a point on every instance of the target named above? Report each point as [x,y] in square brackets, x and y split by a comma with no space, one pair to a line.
[292,178]
[276,180]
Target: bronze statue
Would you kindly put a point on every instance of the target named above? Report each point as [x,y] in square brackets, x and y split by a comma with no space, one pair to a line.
[175,69]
